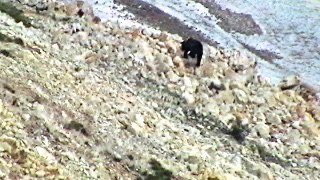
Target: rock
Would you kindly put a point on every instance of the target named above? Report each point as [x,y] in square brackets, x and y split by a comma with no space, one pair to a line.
[289,82]
[45,154]
[193,159]
[262,129]
[160,45]
[80,3]
[71,9]
[187,82]
[212,108]
[169,61]
[237,163]
[296,124]
[87,9]
[177,61]
[83,38]
[151,66]
[212,51]
[293,136]
[92,58]
[26,116]
[137,126]
[232,84]
[139,119]
[304,148]
[232,75]
[260,116]
[257,169]
[147,32]
[216,84]
[163,37]
[173,77]
[226,97]
[300,110]
[241,63]
[242,118]
[139,58]
[172,48]
[227,71]
[175,37]
[80,75]
[163,67]
[189,98]
[55,47]
[222,66]
[310,125]
[269,97]
[70,155]
[76,28]
[283,98]
[227,118]
[230,176]
[314,163]
[257,100]
[145,47]
[96,20]
[209,69]
[193,168]
[4,146]
[240,95]
[3,173]
[156,34]
[195,83]
[40,173]
[163,50]
[40,111]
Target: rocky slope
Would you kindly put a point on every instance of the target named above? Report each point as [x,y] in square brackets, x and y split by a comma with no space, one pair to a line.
[82,99]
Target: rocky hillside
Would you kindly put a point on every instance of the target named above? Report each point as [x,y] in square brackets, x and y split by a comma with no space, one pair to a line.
[85,99]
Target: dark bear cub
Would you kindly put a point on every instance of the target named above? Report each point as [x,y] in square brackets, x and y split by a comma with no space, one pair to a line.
[192,47]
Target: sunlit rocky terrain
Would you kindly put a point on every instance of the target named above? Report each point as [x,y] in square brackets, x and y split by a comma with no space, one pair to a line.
[83,98]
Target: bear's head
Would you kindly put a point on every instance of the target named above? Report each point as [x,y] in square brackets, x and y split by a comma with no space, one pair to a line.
[183,45]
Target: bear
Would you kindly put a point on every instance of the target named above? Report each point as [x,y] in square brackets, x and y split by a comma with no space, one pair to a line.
[192,47]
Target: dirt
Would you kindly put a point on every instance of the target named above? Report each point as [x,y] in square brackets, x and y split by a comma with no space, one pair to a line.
[263,54]
[232,21]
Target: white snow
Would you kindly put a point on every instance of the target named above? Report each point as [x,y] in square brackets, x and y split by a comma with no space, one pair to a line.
[292,28]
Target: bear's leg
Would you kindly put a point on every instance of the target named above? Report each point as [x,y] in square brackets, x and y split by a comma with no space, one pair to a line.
[199,56]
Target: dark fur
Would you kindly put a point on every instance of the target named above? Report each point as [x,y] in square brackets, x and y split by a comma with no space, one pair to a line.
[194,47]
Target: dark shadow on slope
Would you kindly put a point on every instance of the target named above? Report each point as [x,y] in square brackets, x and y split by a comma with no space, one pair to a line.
[231,21]
[5,38]
[15,13]
[159,173]
[263,54]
